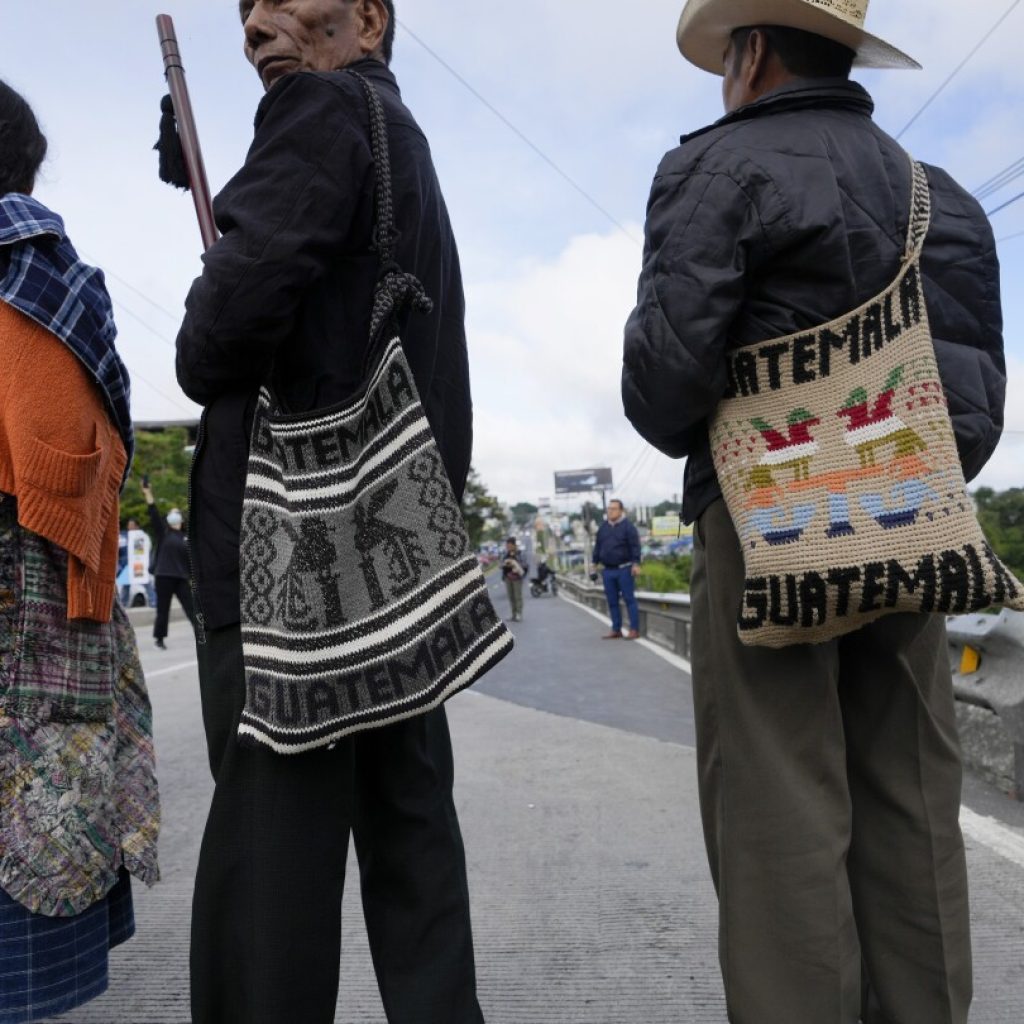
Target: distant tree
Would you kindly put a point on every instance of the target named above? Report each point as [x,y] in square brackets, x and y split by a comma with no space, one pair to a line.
[161,455]
[666,508]
[1001,515]
[524,513]
[478,505]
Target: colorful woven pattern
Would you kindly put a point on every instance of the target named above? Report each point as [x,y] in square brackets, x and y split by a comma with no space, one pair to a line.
[61,670]
[78,793]
[837,460]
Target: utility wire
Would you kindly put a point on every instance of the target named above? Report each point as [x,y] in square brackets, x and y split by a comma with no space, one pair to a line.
[135,375]
[176,317]
[1002,179]
[523,137]
[931,99]
[1007,238]
[1009,202]
[145,323]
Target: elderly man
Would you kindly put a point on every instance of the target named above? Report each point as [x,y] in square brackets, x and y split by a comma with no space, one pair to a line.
[830,773]
[288,290]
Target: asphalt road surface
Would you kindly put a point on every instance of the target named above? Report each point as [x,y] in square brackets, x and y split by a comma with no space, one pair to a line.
[576,789]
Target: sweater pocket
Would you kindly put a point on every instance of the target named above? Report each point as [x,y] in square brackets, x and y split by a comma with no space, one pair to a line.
[58,472]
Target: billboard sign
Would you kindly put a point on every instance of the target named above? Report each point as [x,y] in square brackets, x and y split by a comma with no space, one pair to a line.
[583,481]
[669,528]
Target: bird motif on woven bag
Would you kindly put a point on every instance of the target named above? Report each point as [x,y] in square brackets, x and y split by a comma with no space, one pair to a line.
[789,449]
[873,426]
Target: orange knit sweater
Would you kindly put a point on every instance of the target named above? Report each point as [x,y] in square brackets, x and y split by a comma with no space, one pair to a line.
[61,457]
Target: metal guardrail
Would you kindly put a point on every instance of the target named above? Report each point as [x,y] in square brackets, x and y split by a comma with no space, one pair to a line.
[664,618]
[996,687]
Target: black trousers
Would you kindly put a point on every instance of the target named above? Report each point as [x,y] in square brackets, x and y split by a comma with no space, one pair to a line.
[166,588]
[266,916]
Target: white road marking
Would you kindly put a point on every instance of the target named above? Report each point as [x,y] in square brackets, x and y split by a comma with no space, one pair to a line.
[172,669]
[989,832]
[1000,839]
[673,659]
[1006,842]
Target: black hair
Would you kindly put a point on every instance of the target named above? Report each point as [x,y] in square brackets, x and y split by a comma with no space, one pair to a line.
[617,501]
[388,42]
[22,144]
[511,540]
[804,54]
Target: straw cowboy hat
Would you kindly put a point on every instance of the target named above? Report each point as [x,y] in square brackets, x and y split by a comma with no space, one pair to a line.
[706,25]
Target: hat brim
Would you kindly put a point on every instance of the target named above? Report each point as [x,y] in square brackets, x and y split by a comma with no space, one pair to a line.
[706,26]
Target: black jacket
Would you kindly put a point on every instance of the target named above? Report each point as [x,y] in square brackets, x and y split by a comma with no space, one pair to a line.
[782,216]
[617,544]
[289,286]
[171,555]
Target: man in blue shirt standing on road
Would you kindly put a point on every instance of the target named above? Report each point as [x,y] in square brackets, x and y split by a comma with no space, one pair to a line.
[617,549]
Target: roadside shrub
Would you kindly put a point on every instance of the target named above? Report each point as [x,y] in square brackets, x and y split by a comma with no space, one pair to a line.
[667,575]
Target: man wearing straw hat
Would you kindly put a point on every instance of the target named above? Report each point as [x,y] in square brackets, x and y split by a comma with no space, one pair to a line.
[829,774]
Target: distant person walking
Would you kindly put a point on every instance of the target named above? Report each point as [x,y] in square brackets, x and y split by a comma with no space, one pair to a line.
[617,550]
[171,568]
[514,568]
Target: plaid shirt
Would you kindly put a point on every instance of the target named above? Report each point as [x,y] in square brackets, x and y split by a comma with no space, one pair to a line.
[46,281]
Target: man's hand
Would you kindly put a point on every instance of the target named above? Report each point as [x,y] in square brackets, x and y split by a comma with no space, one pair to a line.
[147,493]
[636,570]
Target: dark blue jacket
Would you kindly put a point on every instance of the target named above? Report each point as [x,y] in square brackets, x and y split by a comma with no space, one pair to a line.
[616,545]
[786,214]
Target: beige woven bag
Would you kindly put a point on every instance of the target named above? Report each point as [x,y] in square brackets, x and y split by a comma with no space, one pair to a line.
[836,455]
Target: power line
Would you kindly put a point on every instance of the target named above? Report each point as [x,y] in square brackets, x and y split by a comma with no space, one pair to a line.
[145,323]
[931,99]
[135,375]
[1009,202]
[522,136]
[1007,238]
[1003,178]
[176,317]
[645,459]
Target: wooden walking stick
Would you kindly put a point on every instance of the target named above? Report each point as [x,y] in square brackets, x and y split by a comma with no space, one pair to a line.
[183,133]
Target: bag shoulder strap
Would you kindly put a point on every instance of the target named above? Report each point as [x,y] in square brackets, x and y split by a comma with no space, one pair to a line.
[920,212]
[395,289]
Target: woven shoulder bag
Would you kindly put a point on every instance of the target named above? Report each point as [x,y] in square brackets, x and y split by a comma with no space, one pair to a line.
[362,602]
[836,456]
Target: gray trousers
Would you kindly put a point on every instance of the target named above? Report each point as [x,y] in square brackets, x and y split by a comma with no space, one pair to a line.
[829,784]
[514,590]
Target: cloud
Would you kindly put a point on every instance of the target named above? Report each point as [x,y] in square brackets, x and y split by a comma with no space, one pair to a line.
[602,94]
[1006,467]
[546,355]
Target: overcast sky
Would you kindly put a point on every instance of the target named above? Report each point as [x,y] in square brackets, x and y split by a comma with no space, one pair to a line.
[597,87]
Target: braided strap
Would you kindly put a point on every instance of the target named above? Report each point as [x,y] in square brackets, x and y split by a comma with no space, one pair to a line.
[920,211]
[396,290]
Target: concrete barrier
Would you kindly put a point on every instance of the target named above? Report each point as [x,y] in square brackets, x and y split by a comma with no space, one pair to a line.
[987,656]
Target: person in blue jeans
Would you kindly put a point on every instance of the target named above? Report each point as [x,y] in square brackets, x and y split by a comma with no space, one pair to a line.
[617,550]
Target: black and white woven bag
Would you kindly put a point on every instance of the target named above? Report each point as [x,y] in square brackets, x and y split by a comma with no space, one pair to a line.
[362,602]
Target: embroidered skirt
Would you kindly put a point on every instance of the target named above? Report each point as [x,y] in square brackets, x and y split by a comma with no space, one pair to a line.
[78,787]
